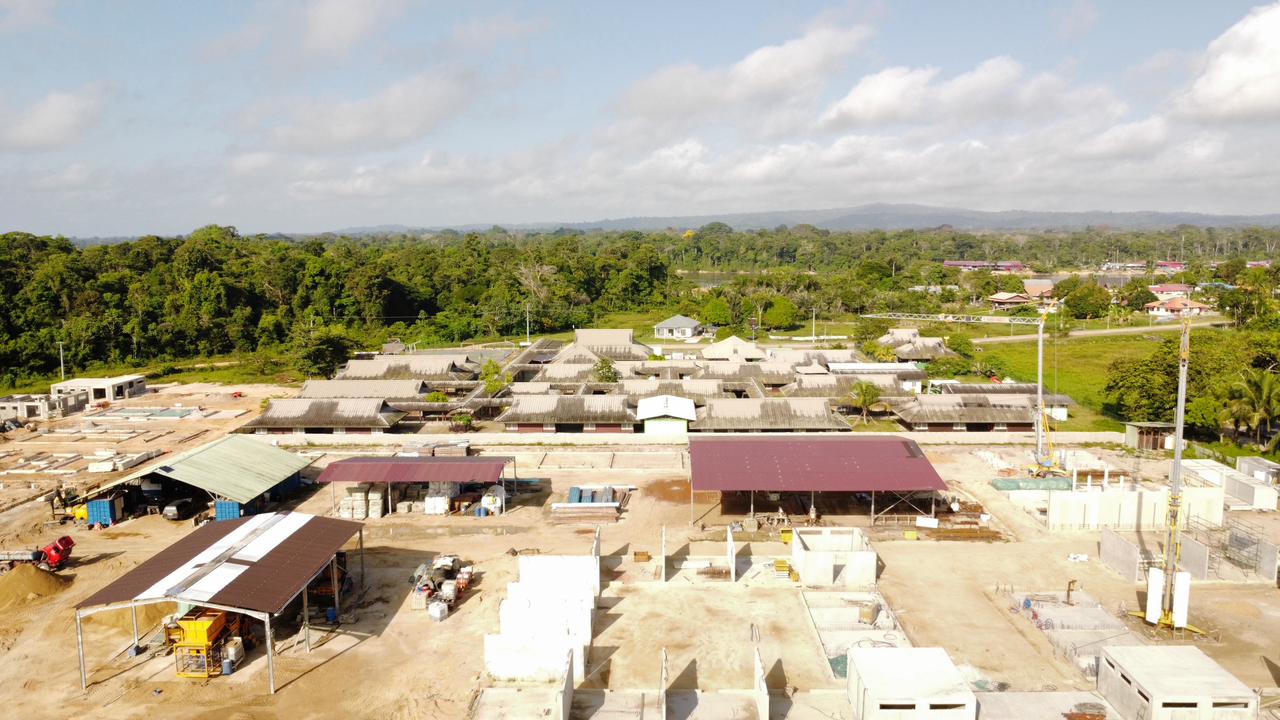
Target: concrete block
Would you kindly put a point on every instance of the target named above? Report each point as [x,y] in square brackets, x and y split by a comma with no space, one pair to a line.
[1195,558]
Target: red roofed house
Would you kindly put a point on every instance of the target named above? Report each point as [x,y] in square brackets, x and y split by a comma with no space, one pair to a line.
[1176,306]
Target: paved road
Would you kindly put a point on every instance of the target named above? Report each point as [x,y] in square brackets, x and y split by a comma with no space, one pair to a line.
[1131,330]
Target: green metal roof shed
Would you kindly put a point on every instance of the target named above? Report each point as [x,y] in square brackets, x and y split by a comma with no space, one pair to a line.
[237,467]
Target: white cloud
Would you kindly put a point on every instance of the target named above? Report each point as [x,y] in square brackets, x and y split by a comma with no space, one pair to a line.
[1127,140]
[18,15]
[896,93]
[251,162]
[72,177]
[56,120]
[1076,19]
[998,91]
[769,77]
[336,26]
[485,33]
[400,113]
[1240,76]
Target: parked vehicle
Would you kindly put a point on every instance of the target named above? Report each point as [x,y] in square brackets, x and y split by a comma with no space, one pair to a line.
[179,509]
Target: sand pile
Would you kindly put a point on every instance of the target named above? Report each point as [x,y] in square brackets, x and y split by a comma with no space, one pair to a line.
[149,616]
[28,583]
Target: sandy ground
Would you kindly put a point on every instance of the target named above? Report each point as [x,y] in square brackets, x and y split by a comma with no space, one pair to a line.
[395,663]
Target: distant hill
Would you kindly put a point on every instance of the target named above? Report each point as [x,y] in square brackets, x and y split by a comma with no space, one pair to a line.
[884,216]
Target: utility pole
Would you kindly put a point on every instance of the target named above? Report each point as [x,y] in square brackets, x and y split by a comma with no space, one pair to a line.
[1040,449]
[526,323]
[62,368]
[815,324]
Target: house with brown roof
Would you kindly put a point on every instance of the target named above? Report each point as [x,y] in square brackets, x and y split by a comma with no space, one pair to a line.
[1009,300]
[1175,307]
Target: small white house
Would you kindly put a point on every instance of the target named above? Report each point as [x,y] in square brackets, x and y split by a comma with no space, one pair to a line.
[678,327]
[99,389]
[1174,307]
[666,414]
[908,684]
[1149,682]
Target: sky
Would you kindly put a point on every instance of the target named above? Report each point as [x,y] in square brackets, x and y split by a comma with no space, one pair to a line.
[138,117]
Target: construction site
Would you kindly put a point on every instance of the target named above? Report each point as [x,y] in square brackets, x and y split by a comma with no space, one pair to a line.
[162,561]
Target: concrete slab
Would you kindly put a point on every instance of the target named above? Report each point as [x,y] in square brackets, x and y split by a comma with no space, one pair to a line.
[616,705]
[1040,705]
[812,705]
[577,460]
[723,705]
[516,702]
[648,461]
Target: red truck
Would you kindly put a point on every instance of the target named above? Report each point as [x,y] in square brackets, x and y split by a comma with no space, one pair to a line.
[53,556]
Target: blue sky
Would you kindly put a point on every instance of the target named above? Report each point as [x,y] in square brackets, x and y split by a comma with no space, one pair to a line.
[139,117]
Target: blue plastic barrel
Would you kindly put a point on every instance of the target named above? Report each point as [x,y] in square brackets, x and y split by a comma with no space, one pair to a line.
[228,667]
[482,511]
[575,494]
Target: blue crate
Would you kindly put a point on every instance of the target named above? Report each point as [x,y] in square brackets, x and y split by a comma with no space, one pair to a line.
[226,510]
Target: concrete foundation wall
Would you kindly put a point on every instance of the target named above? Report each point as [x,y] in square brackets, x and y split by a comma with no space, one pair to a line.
[1120,555]
[1195,558]
[663,681]
[830,556]
[566,687]
[524,659]
[1268,561]
[549,572]
[1258,494]
[759,690]
[731,552]
[1129,509]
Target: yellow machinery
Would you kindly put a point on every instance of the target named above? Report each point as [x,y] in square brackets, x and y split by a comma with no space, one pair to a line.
[197,640]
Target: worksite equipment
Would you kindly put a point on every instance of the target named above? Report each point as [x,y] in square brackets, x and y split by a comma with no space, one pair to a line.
[198,640]
[445,579]
[53,556]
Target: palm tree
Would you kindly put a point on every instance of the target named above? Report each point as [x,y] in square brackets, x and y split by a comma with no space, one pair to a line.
[866,397]
[1257,400]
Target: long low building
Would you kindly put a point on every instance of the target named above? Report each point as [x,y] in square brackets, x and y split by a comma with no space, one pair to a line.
[768,415]
[336,416]
[569,413]
[967,413]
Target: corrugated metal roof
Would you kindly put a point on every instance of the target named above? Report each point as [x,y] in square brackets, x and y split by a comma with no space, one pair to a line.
[414,470]
[666,406]
[733,348]
[257,563]
[544,409]
[397,389]
[967,409]
[679,321]
[236,467]
[766,414]
[408,367]
[827,464]
[327,413]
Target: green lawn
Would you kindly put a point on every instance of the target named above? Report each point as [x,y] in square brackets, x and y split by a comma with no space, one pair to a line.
[228,369]
[1075,367]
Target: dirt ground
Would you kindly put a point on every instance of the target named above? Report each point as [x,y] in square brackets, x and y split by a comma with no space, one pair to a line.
[95,432]
[394,663]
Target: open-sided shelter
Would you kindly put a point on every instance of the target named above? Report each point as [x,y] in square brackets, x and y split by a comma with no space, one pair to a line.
[885,467]
[488,470]
[236,469]
[254,566]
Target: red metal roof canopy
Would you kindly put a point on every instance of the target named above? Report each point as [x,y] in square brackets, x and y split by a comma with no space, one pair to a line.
[414,470]
[260,563]
[827,464]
